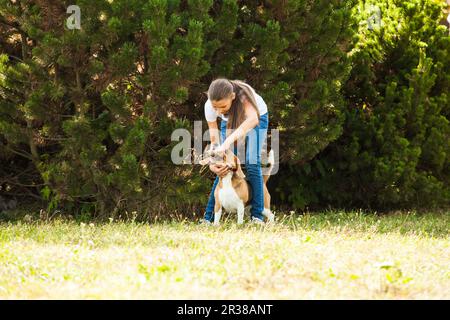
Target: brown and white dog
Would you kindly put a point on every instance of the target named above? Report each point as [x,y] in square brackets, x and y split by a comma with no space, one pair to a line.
[233,193]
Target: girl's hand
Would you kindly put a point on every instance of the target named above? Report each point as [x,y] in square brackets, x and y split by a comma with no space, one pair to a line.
[220,169]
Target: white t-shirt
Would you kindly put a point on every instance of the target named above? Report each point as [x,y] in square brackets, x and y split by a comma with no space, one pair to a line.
[211,114]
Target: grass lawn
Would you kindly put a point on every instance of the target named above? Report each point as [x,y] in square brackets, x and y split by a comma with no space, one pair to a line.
[332,255]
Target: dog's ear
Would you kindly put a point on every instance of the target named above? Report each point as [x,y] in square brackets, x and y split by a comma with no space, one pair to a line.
[228,157]
[238,170]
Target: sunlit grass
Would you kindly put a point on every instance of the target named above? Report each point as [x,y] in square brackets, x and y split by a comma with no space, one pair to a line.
[314,256]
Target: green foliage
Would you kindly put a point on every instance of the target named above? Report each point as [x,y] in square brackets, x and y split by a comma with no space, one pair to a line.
[86,115]
[395,148]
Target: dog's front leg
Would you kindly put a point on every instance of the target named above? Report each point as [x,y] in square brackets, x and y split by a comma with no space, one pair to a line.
[240,213]
[217,216]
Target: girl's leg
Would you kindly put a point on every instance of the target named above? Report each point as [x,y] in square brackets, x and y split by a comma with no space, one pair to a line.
[254,142]
[209,212]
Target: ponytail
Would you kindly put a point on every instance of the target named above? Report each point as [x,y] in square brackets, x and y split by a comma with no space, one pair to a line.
[237,112]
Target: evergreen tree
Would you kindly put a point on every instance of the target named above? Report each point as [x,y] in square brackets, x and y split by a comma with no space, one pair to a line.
[92,110]
[90,107]
[395,148]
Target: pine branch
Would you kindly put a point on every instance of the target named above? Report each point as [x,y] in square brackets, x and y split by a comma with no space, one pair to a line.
[22,154]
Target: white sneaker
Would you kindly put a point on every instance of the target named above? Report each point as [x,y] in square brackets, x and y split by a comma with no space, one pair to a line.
[205,222]
[257,221]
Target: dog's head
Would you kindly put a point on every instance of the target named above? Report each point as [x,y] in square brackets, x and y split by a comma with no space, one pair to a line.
[227,158]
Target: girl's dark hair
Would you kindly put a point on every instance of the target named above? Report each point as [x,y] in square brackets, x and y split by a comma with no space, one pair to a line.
[222,88]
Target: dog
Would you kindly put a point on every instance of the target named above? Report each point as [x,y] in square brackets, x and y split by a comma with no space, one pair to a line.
[233,192]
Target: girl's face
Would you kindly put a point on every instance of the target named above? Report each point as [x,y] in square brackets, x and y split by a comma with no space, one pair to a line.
[222,106]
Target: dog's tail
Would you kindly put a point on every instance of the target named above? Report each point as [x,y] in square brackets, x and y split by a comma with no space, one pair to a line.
[268,170]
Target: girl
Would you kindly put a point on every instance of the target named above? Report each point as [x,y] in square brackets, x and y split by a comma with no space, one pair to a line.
[241,109]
